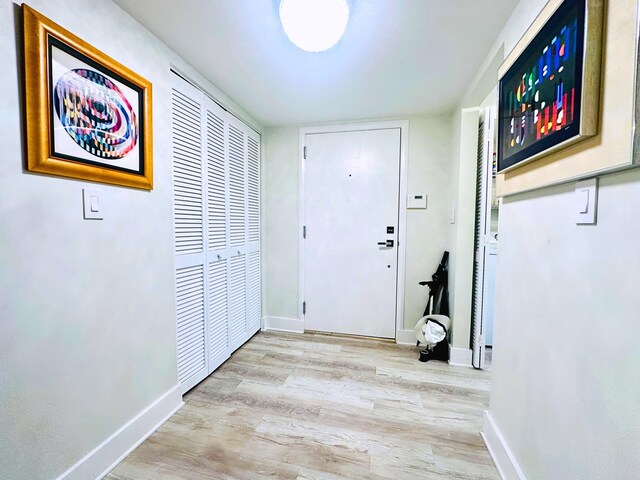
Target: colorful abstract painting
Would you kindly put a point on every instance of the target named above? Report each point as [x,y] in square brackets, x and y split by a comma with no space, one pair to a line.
[540,94]
[95,113]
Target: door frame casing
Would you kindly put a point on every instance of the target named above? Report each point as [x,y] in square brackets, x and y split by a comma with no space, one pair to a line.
[403,125]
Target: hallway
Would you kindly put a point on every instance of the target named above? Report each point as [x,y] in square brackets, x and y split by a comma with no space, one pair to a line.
[291,406]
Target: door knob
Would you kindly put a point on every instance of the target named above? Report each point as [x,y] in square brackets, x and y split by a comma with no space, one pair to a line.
[388,243]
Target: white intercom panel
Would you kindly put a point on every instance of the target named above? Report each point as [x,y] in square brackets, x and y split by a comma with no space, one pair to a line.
[417,200]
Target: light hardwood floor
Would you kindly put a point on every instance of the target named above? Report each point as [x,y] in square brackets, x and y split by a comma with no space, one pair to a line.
[310,407]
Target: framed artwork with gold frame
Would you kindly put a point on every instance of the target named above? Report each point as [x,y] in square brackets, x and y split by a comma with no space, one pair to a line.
[87,115]
[549,88]
[611,149]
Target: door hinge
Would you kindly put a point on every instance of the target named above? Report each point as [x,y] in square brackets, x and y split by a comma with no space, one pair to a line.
[304,231]
[305,152]
[304,308]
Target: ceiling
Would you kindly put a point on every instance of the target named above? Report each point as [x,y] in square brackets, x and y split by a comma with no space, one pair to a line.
[397,57]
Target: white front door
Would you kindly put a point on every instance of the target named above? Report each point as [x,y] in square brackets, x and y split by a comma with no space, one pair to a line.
[351,199]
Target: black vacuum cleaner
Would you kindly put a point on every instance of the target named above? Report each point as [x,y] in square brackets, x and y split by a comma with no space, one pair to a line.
[437,313]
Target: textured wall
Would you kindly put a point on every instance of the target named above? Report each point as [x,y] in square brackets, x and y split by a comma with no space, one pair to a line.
[86,307]
[566,308]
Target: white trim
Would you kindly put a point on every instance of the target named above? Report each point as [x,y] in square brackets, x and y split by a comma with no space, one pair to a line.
[406,337]
[403,125]
[402,223]
[282,324]
[500,452]
[106,456]
[460,357]
[301,193]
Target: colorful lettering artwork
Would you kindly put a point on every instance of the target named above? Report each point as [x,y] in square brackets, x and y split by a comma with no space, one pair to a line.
[540,94]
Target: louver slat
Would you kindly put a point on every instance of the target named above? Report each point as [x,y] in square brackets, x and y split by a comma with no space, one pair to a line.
[217,201]
[187,175]
[253,292]
[237,300]
[218,336]
[190,312]
[253,189]
[478,263]
[236,187]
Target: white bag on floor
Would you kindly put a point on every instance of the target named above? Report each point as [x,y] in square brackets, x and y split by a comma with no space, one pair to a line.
[432,329]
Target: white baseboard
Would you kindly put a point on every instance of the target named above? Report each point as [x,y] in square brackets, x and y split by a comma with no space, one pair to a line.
[104,458]
[405,337]
[460,357]
[282,324]
[506,463]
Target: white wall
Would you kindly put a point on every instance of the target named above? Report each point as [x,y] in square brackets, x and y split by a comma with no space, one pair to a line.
[566,324]
[565,364]
[429,170]
[280,231]
[86,307]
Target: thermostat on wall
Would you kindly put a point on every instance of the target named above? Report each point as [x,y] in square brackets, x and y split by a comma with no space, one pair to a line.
[417,200]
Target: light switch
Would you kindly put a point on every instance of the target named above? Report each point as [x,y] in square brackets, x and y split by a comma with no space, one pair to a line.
[586,194]
[92,205]
[452,215]
[95,203]
[583,199]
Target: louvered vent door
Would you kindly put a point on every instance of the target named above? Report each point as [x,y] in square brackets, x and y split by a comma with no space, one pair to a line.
[237,185]
[217,203]
[237,301]
[218,314]
[253,188]
[189,229]
[192,364]
[253,233]
[217,234]
[482,228]
[253,292]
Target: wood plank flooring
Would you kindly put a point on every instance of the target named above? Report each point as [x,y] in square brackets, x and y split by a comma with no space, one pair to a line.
[319,407]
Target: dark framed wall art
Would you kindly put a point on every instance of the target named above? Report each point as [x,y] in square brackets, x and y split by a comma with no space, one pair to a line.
[87,116]
[549,87]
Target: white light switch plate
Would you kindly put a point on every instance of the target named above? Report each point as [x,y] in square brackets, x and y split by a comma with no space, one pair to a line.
[92,202]
[586,201]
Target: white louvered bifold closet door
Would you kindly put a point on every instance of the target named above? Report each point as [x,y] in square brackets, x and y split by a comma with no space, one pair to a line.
[244,232]
[217,234]
[237,234]
[216,174]
[482,228]
[189,241]
[254,301]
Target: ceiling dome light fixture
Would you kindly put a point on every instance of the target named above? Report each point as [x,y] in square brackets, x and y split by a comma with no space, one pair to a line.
[314,25]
